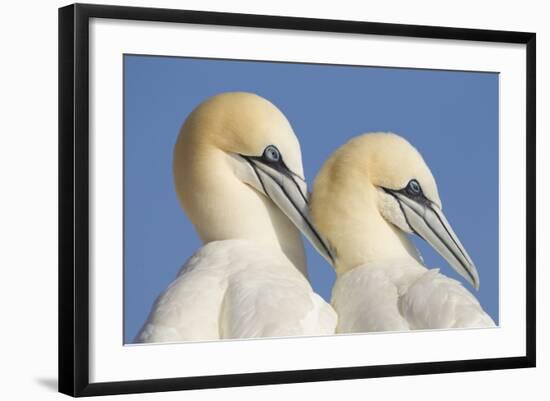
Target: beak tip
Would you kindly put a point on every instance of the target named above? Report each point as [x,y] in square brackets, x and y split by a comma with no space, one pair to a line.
[475,279]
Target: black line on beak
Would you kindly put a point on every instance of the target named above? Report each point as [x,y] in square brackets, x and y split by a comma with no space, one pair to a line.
[299,189]
[428,204]
[281,167]
[311,227]
[449,234]
[255,172]
[389,191]
[289,174]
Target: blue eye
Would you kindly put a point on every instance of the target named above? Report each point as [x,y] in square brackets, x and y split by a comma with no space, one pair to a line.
[413,187]
[271,154]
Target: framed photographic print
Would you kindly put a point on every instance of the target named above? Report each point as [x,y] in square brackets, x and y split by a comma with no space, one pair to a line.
[249,199]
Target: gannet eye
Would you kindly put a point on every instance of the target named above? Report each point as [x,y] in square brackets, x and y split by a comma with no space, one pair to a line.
[413,187]
[271,154]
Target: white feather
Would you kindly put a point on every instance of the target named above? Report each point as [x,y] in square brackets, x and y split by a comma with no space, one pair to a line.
[235,289]
[360,205]
[249,280]
[403,295]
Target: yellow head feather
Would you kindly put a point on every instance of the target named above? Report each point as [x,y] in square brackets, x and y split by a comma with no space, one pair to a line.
[347,202]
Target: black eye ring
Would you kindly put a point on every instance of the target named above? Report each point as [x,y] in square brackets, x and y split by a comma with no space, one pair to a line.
[271,154]
[413,187]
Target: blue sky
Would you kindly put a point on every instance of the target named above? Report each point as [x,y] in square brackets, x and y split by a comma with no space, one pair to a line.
[450,117]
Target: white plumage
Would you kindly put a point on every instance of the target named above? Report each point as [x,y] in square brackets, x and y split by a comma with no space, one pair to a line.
[403,296]
[235,289]
[369,196]
[239,177]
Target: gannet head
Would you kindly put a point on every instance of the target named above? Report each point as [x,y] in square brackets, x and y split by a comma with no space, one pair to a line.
[405,193]
[247,135]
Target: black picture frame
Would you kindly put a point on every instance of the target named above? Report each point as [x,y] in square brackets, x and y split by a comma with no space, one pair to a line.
[74,198]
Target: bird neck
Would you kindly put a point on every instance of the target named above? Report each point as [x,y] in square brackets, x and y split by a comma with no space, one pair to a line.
[362,236]
[222,207]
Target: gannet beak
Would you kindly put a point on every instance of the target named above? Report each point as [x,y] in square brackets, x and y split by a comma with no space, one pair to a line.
[428,221]
[289,192]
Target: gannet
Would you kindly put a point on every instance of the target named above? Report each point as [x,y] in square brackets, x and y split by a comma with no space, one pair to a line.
[238,175]
[367,198]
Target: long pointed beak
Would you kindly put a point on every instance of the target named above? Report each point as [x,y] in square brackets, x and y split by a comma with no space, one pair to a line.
[428,221]
[289,192]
